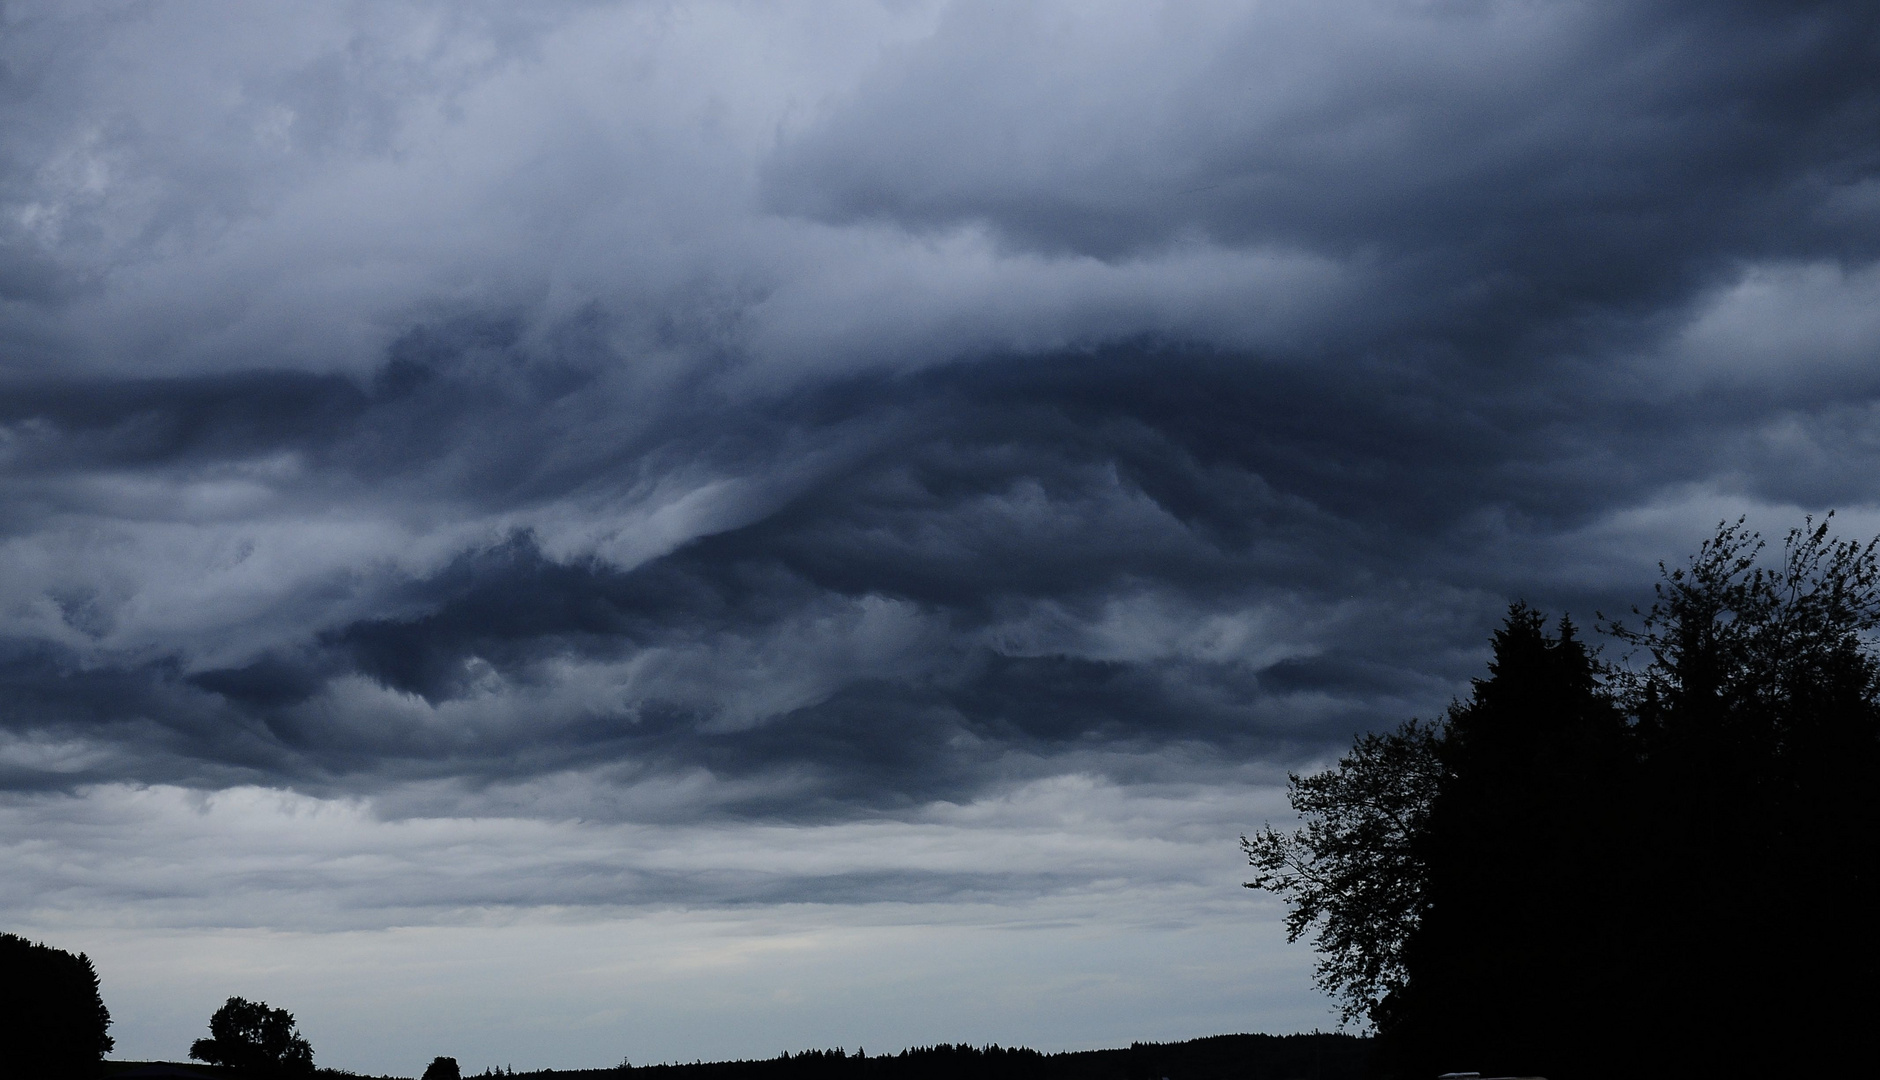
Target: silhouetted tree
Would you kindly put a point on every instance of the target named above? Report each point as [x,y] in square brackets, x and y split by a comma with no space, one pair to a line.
[1351,874]
[1757,706]
[443,1068]
[1522,852]
[52,1019]
[1665,867]
[254,1038]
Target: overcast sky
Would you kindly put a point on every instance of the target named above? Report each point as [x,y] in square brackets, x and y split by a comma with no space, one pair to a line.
[560,532]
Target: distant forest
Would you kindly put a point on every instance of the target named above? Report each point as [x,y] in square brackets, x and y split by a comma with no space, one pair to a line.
[1316,1056]
[1221,1057]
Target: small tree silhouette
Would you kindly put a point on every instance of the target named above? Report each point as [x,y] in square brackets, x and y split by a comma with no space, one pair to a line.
[250,1036]
[444,1068]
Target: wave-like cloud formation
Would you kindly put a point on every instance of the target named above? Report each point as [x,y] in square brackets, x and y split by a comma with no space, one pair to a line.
[660,413]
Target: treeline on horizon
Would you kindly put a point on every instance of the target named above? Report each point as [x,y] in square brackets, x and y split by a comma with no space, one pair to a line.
[1314,1056]
[1311,1056]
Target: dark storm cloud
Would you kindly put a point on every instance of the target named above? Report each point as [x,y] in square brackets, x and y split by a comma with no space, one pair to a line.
[927,519]
[990,496]
[1505,166]
[933,454]
[1076,482]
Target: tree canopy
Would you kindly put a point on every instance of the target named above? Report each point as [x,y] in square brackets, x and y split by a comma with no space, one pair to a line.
[1351,873]
[1664,863]
[53,1022]
[250,1036]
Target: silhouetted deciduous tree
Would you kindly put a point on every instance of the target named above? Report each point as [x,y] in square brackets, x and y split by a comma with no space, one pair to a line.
[1756,700]
[254,1038]
[52,1020]
[1352,876]
[442,1068]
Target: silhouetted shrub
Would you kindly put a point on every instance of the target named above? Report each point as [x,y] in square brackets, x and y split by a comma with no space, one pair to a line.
[443,1068]
[52,1021]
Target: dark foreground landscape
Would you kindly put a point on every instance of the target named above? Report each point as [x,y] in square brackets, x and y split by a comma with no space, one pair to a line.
[1317,1056]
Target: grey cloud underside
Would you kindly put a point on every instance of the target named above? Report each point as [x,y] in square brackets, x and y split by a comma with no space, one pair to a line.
[1220,481]
[925,559]
[1525,167]
[985,496]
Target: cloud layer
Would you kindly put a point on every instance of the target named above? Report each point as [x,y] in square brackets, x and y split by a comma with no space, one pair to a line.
[623,420]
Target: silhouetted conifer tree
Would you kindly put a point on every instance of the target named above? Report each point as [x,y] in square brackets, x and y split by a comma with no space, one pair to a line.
[1523,851]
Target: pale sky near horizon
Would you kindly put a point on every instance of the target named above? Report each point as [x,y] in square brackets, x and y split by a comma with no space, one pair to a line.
[559,532]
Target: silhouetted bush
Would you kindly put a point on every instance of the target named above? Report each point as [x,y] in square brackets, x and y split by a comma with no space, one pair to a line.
[443,1068]
[52,1021]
